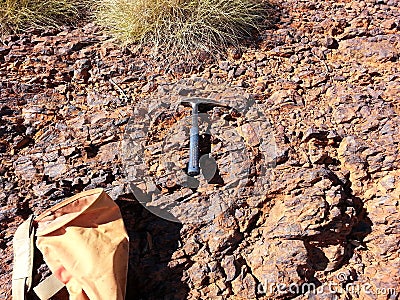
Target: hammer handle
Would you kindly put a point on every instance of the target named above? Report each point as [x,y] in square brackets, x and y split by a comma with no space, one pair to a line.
[193,168]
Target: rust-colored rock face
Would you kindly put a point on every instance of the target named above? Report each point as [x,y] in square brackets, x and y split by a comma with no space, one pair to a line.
[300,190]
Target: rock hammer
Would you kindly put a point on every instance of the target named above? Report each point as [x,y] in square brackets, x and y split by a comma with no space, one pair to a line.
[196,104]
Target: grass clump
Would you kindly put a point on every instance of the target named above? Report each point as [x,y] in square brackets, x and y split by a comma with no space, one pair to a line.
[18,15]
[186,25]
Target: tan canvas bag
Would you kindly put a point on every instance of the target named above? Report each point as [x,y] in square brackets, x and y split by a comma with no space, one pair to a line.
[83,241]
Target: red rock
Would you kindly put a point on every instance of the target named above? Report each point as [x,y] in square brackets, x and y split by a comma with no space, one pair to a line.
[307,185]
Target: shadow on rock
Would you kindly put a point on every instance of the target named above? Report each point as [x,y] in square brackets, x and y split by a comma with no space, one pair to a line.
[330,250]
[152,273]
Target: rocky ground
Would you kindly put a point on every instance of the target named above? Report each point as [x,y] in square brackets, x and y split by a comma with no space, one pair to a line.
[307,155]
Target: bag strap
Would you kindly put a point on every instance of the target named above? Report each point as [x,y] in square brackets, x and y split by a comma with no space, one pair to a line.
[48,287]
[24,248]
[23,243]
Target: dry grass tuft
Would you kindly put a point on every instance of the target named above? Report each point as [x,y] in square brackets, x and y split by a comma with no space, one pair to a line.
[18,15]
[186,25]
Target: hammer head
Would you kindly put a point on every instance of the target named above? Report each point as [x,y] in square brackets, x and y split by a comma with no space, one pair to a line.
[201,102]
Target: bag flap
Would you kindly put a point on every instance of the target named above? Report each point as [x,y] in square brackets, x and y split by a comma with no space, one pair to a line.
[64,212]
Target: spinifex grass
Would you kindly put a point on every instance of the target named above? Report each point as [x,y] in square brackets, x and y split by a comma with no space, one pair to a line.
[17,15]
[186,25]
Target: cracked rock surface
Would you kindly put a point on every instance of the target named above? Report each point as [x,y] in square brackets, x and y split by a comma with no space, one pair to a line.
[304,202]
